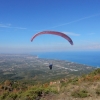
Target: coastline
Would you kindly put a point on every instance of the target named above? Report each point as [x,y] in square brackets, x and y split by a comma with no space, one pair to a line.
[86,57]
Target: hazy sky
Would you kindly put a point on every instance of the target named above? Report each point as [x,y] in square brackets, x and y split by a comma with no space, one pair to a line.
[21,19]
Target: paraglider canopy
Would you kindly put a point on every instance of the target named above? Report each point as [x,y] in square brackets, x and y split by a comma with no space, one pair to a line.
[54,33]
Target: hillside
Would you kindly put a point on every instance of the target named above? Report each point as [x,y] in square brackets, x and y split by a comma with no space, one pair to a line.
[85,87]
[26,77]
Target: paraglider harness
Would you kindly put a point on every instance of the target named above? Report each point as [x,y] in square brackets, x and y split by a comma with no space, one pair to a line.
[50,66]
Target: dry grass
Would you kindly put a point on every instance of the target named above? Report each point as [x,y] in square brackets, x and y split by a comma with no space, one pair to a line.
[65,92]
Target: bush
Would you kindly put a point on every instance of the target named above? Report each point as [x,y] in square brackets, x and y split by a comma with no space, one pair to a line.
[98,92]
[13,96]
[80,94]
[4,95]
[95,72]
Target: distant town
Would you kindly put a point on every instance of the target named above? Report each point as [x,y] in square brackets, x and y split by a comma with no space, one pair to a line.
[25,66]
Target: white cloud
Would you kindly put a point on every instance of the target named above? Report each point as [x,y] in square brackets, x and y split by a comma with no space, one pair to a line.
[5,26]
[9,26]
[77,20]
[71,33]
[90,46]
[97,46]
[91,33]
[18,27]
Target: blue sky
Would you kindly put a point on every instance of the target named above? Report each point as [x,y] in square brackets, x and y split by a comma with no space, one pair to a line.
[21,19]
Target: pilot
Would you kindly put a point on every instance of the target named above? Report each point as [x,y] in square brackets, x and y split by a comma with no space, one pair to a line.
[50,66]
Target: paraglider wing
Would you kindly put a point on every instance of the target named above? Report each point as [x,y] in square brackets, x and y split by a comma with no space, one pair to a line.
[54,33]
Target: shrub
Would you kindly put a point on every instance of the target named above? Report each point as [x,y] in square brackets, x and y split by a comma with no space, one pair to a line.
[95,72]
[80,94]
[4,95]
[13,96]
[98,92]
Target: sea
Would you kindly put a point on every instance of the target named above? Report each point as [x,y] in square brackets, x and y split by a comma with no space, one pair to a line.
[90,58]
